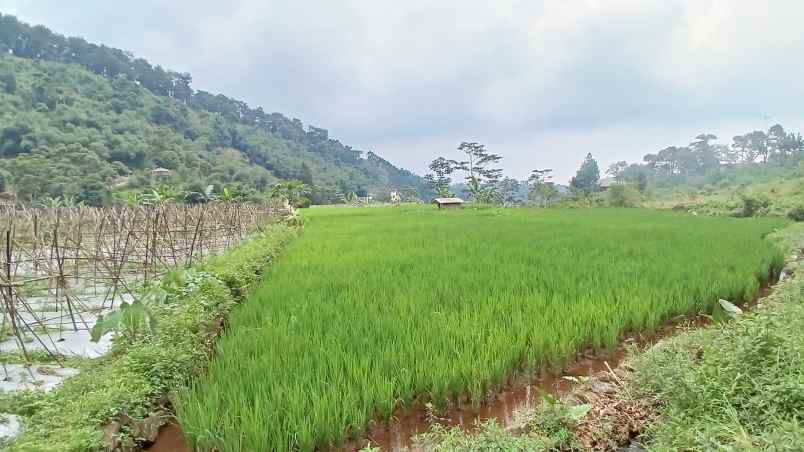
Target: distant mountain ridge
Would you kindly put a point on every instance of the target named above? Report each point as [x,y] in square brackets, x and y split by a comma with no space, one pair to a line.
[83,120]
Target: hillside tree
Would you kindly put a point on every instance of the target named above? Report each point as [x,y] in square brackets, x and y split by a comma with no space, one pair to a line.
[587,178]
[616,169]
[509,190]
[481,177]
[439,179]
[541,190]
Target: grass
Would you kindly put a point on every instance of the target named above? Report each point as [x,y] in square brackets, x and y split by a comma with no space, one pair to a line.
[776,196]
[373,308]
[733,386]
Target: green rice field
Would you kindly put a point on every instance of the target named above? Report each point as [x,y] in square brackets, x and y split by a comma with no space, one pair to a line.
[372,308]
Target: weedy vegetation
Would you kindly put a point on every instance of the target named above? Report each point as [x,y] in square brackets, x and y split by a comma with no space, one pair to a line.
[372,309]
[732,386]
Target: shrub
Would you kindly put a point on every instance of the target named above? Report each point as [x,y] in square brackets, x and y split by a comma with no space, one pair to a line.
[796,214]
[621,195]
[752,206]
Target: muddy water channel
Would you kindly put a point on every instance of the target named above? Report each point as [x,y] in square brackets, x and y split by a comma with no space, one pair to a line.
[520,394]
[526,391]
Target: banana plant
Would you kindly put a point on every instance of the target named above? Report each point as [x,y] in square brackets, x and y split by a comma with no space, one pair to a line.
[131,320]
[159,197]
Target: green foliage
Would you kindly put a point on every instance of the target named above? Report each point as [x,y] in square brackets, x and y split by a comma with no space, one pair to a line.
[149,365]
[371,309]
[796,214]
[587,177]
[734,385]
[439,179]
[773,191]
[622,195]
[488,437]
[541,190]
[131,321]
[752,207]
[294,192]
[481,179]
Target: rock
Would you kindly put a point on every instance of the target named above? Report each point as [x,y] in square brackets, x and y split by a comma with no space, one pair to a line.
[111,437]
[633,447]
[602,387]
[606,377]
[10,427]
[622,373]
[574,399]
[148,429]
[730,307]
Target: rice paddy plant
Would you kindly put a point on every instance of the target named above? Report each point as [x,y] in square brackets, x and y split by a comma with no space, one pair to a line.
[371,309]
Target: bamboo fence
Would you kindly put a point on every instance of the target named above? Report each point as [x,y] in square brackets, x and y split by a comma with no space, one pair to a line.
[60,268]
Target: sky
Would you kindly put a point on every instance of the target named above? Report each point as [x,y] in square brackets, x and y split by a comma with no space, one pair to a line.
[541,83]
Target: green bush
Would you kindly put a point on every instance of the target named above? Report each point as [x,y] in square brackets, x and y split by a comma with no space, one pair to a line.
[752,206]
[796,214]
[621,195]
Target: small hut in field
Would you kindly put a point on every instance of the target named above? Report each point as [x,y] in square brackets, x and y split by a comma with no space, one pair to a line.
[448,203]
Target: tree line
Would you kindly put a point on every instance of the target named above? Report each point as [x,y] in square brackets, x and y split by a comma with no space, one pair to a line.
[703,157]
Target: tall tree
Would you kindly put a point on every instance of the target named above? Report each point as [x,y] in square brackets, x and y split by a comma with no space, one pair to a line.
[509,190]
[752,146]
[541,190]
[306,174]
[481,178]
[439,179]
[616,169]
[587,177]
[704,152]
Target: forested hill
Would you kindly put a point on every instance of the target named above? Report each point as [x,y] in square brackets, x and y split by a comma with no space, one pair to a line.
[81,120]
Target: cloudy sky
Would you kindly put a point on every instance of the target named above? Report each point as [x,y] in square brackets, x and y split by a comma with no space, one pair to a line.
[540,82]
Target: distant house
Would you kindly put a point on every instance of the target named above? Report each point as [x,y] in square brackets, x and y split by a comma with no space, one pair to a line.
[160,173]
[448,203]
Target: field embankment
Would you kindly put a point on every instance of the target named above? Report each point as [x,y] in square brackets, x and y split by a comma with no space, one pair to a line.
[374,309]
